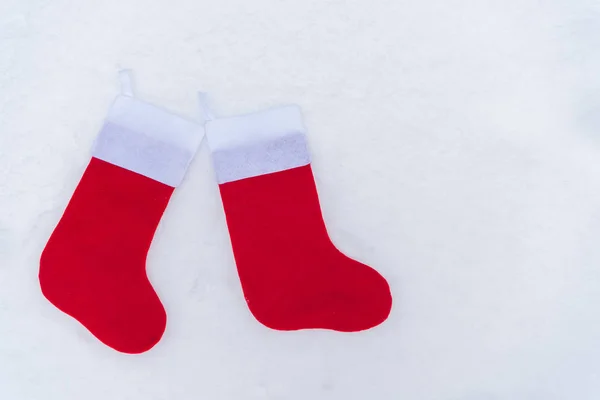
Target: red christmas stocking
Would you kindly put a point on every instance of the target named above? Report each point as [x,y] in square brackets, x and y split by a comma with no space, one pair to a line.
[94,265]
[292,275]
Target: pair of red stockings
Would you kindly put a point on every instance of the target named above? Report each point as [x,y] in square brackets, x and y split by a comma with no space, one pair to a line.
[94,265]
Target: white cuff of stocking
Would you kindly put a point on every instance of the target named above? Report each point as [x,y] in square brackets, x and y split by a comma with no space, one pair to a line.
[148,140]
[257,144]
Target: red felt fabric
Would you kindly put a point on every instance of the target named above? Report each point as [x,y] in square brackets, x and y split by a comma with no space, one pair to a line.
[94,264]
[292,275]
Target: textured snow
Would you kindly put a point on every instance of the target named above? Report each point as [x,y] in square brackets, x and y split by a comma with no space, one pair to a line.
[456,147]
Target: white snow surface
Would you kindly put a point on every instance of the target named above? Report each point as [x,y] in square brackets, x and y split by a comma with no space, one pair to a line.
[456,149]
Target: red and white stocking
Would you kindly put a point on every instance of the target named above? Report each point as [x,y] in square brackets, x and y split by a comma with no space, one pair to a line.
[292,275]
[94,264]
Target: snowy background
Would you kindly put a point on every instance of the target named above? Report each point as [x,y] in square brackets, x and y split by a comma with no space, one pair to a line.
[456,147]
